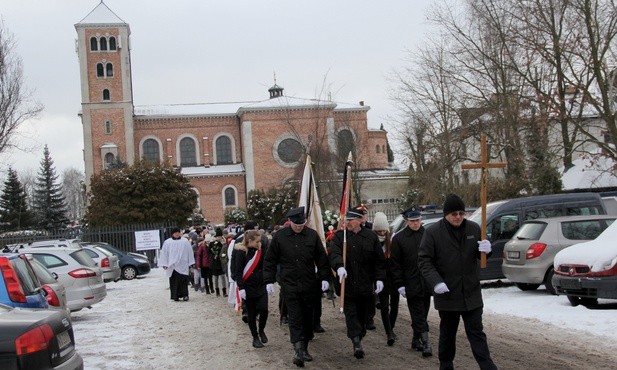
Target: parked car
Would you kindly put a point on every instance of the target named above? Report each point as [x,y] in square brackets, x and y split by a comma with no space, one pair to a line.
[76,270]
[56,292]
[19,286]
[528,256]
[587,271]
[131,264]
[105,260]
[37,339]
[59,243]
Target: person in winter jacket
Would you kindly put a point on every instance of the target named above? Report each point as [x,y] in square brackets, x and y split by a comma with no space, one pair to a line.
[249,273]
[296,251]
[203,262]
[363,273]
[389,296]
[217,251]
[408,278]
[448,259]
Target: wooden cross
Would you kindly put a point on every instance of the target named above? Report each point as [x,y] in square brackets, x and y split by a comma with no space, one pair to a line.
[484,165]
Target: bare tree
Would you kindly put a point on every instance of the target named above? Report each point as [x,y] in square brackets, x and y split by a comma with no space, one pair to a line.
[72,187]
[16,104]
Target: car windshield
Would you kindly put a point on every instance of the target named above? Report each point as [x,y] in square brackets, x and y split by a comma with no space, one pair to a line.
[28,280]
[42,272]
[530,231]
[476,216]
[103,251]
[83,258]
[113,249]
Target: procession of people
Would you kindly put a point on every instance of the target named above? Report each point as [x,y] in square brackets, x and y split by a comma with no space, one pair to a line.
[362,262]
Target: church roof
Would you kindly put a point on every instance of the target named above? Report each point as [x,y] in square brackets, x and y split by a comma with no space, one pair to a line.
[237,108]
[101,15]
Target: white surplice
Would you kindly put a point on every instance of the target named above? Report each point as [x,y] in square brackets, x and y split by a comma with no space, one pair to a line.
[176,255]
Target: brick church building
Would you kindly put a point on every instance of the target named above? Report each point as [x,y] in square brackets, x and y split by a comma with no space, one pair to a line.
[225,149]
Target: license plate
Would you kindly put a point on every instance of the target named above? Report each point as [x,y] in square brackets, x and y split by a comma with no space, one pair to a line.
[64,339]
[570,284]
[514,254]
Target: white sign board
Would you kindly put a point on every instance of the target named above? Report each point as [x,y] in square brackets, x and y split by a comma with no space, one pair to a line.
[149,239]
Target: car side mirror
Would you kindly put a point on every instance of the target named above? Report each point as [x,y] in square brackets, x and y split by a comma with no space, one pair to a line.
[55,275]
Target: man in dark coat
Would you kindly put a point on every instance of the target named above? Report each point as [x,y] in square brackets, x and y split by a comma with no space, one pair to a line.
[409,280]
[363,271]
[298,250]
[448,258]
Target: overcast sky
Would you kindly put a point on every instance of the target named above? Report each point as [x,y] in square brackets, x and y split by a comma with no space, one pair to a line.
[200,51]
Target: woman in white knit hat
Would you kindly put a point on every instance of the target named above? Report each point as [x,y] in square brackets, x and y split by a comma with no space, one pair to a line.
[389,296]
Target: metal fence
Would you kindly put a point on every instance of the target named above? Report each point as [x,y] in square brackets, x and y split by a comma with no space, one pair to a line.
[122,237]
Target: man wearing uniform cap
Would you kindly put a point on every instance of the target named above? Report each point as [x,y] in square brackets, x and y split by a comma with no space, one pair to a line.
[409,280]
[365,270]
[298,251]
[448,259]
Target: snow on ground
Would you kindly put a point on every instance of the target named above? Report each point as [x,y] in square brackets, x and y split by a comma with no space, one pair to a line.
[137,326]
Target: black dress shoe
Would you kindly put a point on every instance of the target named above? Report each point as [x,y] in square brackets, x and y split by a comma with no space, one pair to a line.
[185,298]
[370,325]
[391,338]
[262,336]
[257,343]
[319,329]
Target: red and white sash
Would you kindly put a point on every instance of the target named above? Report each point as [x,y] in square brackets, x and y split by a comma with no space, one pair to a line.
[251,265]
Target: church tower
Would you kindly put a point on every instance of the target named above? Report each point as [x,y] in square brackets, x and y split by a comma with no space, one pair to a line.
[103,49]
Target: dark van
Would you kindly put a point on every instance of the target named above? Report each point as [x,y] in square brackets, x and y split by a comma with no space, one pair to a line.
[504,217]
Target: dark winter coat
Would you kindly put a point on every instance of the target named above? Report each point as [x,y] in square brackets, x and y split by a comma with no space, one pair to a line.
[215,249]
[297,255]
[443,257]
[405,269]
[254,284]
[365,261]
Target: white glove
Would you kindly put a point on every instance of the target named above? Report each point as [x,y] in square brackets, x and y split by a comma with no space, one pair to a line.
[342,274]
[379,286]
[402,292]
[441,288]
[324,285]
[484,246]
[243,294]
[270,288]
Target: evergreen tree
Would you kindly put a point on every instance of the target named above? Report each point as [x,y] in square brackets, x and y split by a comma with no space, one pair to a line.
[48,203]
[144,192]
[14,213]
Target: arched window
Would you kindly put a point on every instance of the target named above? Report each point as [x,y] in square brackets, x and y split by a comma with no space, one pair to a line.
[377,148]
[94,45]
[109,160]
[99,70]
[345,143]
[112,43]
[383,148]
[109,69]
[108,127]
[151,150]
[187,152]
[103,42]
[230,197]
[223,150]
[105,94]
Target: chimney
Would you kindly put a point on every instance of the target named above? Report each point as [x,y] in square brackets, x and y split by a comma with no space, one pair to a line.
[361,103]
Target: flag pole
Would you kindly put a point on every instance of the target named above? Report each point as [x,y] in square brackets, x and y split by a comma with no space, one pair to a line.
[344,207]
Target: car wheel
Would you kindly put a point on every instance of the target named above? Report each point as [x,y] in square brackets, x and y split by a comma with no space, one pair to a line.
[548,282]
[574,301]
[589,302]
[525,286]
[129,272]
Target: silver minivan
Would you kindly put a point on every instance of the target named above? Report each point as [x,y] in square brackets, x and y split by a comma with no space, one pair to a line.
[529,255]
